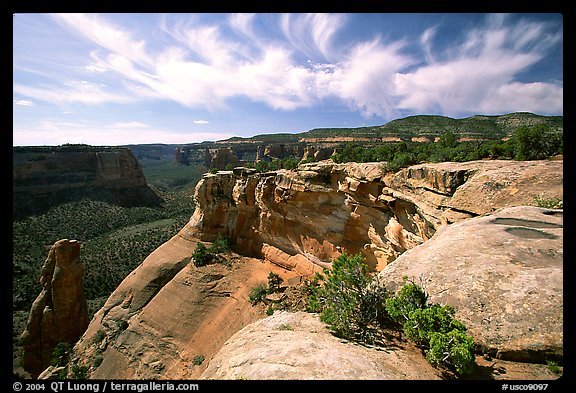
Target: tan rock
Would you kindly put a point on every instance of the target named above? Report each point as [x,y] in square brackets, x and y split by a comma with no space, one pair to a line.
[324,209]
[503,273]
[60,312]
[297,345]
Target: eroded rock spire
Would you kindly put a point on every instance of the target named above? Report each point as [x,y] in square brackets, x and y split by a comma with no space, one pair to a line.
[60,312]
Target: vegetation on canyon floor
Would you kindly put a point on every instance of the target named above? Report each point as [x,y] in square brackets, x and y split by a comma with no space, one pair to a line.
[114,241]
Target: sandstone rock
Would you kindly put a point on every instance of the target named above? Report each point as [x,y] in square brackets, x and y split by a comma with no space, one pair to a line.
[323,209]
[298,346]
[503,273]
[59,313]
[167,311]
[296,222]
[220,158]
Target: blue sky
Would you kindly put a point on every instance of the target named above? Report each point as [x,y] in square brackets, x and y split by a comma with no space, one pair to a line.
[115,79]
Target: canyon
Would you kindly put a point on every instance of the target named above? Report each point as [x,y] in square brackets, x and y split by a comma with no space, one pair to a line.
[168,313]
[45,176]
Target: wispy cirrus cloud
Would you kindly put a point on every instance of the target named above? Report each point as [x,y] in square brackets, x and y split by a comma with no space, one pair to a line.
[207,65]
[71,92]
[480,75]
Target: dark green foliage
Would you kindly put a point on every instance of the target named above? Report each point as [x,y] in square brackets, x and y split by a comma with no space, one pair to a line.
[198,360]
[122,324]
[549,202]
[114,241]
[313,290]
[79,372]
[454,349]
[274,281]
[448,140]
[423,322]
[60,354]
[354,306]
[536,143]
[205,255]
[434,328]
[411,297]
[201,255]
[351,301]
[258,293]
[220,246]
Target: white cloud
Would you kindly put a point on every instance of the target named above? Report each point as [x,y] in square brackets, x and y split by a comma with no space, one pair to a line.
[480,75]
[23,102]
[366,79]
[312,34]
[204,67]
[201,121]
[130,124]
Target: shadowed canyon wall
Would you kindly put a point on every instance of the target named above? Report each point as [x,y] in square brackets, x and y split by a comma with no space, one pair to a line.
[46,176]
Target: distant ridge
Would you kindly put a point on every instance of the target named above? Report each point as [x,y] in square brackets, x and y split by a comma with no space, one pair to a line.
[477,126]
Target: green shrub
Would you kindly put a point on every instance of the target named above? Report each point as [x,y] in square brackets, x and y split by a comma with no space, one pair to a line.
[351,301]
[60,354]
[198,360]
[454,349]
[434,328]
[536,142]
[201,255]
[79,372]
[553,366]
[548,203]
[355,306]
[205,255]
[122,324]
[220,246]
[274,281]
[410,297]
[434,318]
[258,293]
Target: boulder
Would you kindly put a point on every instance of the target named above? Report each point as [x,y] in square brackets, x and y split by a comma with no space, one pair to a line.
[298,345]
[503,273]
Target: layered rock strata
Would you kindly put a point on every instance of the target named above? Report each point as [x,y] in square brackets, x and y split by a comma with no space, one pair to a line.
[168,313]
[43,177]
[308,217]
[60,313]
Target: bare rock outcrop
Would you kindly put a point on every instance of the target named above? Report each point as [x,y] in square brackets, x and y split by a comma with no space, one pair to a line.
[503,273]
[59,313]
[168,313]
[323,209]
[297,345]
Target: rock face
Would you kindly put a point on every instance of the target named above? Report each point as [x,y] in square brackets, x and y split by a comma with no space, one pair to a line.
[168,312]
[297,345]
[503,273]
[314,214]
[46,176]
[59,313]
